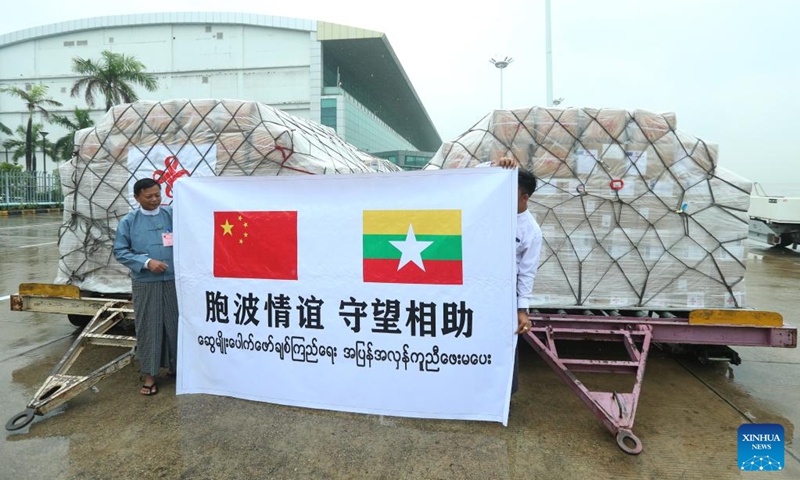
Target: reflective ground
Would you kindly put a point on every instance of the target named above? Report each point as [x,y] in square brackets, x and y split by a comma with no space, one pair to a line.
[688,414]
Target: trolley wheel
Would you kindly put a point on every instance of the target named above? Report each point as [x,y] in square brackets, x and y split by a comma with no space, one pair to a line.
[79,321]
[21,420]
[624,435]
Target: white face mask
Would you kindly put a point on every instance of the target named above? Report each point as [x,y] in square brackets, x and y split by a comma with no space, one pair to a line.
[151,213]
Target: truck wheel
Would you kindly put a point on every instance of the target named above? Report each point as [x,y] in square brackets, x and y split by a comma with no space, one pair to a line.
[786,240]
[79,320]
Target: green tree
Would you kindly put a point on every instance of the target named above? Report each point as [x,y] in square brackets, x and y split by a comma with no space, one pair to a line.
[64,146]
[18,145]
[34,100]
[4,129]
[113,77]
[6,167]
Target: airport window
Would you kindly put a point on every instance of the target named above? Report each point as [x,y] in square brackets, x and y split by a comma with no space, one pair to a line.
[328,112]
[208,28]
[219,35]
[82,43]
[69,44]
[28,87]
[110,39]
[329,76]
[205,79]
[416,161]
[63,89]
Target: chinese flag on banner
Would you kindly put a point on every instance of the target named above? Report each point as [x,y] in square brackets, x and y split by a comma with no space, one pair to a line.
[255,245]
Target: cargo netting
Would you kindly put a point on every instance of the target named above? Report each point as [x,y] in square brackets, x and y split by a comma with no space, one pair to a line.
[634,213]
[166,141]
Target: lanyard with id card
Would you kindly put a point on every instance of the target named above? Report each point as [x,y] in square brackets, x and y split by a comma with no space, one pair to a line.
[166,239]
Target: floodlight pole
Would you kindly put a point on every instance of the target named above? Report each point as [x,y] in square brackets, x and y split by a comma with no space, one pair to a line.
[501,64]
[549,53]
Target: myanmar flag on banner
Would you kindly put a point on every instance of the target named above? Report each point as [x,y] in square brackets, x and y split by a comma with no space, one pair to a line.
[413,246]
[255,245]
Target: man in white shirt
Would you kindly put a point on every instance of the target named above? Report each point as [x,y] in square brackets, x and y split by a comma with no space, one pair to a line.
[528,247]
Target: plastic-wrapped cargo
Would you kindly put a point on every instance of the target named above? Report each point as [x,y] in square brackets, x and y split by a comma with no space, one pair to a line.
[634,213]
[168,140]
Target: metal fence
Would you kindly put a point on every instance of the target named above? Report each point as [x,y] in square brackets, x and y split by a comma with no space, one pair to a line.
[29,189]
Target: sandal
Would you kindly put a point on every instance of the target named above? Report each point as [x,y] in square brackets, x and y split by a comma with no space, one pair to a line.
[151,389]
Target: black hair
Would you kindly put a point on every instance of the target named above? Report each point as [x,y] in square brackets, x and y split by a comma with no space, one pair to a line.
[526,182]
[144,184]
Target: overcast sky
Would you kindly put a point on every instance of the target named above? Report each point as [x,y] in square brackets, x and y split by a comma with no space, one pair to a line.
[729,69]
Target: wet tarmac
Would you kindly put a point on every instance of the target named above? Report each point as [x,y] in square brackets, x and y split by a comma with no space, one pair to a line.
[688,414]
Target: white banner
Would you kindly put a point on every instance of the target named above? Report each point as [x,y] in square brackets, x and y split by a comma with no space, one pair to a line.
[388,294]
[168,164]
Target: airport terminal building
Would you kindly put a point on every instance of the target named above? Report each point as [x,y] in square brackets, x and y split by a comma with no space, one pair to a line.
[347,78]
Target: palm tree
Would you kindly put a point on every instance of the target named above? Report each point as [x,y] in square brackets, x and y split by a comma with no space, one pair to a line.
[64,146]
[5,129]
[113,77]
[18,145]
[34,99]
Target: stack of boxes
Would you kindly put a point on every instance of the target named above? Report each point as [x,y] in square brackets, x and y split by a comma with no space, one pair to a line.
[232,138]
[634,213]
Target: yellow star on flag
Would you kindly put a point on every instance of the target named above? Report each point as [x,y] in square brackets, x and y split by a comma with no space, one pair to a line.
[227,227]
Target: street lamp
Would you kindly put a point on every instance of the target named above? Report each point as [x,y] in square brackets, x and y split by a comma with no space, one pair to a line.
[548,53]
[501,64]
[44,153]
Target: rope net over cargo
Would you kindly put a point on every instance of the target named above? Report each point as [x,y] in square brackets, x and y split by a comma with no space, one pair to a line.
[166,141]
[634,213]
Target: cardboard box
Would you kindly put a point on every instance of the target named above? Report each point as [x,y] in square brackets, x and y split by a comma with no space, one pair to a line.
[248,138]
[634,212]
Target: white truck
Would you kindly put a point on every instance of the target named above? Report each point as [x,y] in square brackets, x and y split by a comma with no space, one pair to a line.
[774,220]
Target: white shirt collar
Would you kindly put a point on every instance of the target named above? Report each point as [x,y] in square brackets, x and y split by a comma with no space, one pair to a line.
[151,213]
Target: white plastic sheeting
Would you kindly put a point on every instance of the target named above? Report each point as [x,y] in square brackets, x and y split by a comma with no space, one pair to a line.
[166,140]
[634,213]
